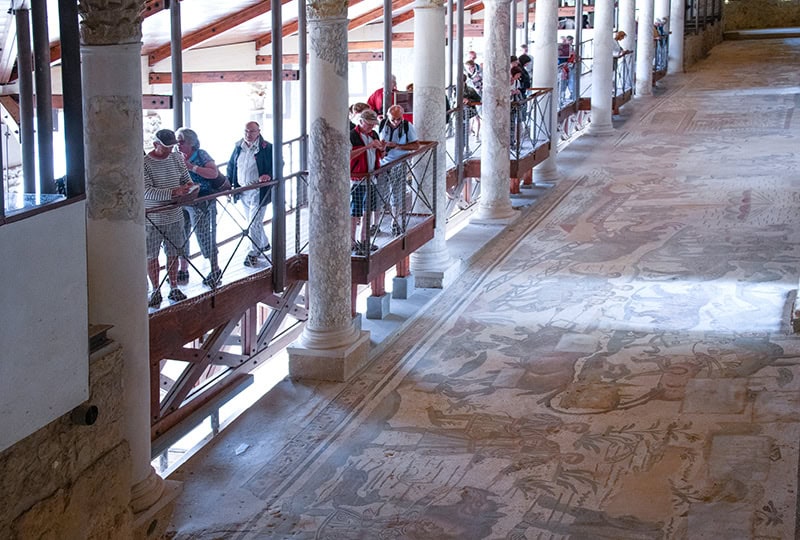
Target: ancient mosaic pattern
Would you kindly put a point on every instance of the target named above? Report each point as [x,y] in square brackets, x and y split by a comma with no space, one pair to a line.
[617,365]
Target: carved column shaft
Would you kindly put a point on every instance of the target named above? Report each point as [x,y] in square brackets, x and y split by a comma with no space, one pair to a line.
[602,68]
[545,51]
[112,90]
[645,49]
[429,120]
[330,324]
[495,200]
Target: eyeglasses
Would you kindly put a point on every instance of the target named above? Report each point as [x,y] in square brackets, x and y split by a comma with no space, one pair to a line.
[252,130]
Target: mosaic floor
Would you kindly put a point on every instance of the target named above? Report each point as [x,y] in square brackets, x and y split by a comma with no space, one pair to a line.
[618,365]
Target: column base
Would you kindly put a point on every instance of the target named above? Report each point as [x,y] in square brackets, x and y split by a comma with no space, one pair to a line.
[545,176]
[479,219]
[403,287]
[152,522]
[378,306]
[596,130]
[337,365]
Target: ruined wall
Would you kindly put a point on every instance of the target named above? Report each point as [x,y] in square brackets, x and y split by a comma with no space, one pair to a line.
[697,46]
[71,481]
[746,14]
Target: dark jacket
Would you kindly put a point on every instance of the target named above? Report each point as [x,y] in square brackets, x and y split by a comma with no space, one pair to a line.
[263,163]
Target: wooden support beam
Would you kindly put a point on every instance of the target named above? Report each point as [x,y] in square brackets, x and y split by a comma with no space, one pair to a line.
[358,56]
[375,14]
[214,29]
[289,29]
[256,75]
[377,45]
[11,106]
[403,17]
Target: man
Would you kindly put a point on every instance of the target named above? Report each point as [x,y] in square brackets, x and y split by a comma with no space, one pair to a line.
[365,154]
[165,180]
[399,137]
[375,101]
[250,164]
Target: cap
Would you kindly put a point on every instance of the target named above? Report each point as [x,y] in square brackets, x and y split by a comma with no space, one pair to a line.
[370,116]
[166,137]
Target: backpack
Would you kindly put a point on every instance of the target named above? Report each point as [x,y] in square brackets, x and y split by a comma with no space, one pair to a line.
[404,126]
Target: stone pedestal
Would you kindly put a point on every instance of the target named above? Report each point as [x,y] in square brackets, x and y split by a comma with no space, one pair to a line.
[602,69]
[429,113]
[645,49]
[545,51]
[338,364]
[378,306]
[403,287]
[495,202]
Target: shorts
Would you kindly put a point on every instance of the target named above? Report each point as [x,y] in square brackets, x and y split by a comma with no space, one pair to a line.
[363,197]
[171,236]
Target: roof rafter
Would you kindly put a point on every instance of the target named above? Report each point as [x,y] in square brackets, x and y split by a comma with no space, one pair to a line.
[290,28]
[375,14]
[214,29]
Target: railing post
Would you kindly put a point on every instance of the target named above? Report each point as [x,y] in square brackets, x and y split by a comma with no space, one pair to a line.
[25,74]
[176,55]
[73,96]
[279,189]
[44,96]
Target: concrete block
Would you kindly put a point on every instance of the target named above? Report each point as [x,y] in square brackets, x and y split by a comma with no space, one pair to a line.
[378,306]
[403,287]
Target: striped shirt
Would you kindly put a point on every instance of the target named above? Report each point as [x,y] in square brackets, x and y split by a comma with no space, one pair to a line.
[161,176]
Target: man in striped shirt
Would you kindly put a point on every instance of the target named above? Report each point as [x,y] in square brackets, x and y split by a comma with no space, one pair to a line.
[165,179]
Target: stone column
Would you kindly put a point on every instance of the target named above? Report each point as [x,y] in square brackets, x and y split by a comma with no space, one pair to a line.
[602,69]
[676,21]
[545,51]
[429,263]
[116,260]
[332,347]
[661,9]
[627,23]
[495,203]
[645,49]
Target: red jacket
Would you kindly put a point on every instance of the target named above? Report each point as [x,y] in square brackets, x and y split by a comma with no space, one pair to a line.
[358,165]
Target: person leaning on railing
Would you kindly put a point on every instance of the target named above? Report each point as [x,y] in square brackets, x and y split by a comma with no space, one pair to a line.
[165,180]
[400,137]
[251,163]
[365,154]
[202,215]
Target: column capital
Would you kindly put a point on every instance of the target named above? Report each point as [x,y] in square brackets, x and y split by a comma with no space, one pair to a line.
[318,10]
[110,23]
[428,4]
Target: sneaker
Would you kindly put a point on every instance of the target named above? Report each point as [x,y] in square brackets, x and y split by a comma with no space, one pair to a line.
[183,277]
[363,248]
[251,260]
[212,279]
[176,295]
[374,230]
[155,299]
[397,229]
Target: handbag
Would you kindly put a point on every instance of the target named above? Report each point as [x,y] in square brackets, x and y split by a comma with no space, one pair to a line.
[220,183]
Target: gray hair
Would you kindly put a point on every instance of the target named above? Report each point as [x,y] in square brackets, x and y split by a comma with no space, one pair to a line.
[189,136]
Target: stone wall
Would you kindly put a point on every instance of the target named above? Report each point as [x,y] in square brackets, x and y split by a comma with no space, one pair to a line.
[747,14]
[697,46]
[72,481]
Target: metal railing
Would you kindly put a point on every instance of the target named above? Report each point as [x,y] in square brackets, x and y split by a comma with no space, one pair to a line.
[394,198]
[623,74]
[462,192]
[530,122]
[566,74]
[38,190]
[661,56]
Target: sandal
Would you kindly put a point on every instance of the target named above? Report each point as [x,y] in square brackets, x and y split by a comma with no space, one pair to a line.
[176,295]
[213,279]
[155,299]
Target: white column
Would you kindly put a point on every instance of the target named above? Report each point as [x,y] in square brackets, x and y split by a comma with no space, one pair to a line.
[661,9]
[332,347]
[676,21]
[115,222]
[645,49]
[495,203]
[429,262]
[627,23]
[602,69]
[545,51]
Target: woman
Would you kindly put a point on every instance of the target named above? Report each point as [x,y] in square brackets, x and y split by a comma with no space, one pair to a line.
[203,215]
